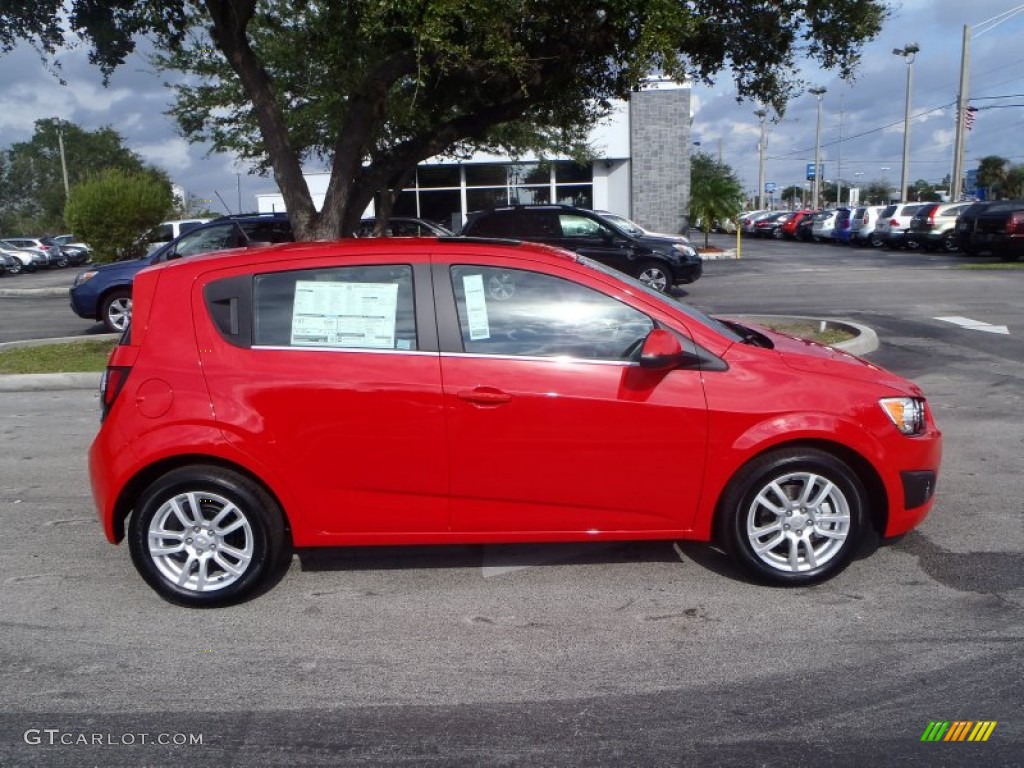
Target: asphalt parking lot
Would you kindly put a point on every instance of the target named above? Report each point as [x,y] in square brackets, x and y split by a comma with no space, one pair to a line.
[596,655]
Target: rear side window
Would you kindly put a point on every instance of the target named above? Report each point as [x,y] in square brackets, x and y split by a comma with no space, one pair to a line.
[267,231]
[369,307]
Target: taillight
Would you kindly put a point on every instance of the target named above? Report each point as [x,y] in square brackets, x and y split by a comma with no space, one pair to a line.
[931,218]
[111,385]
[894,222]
[1015,224]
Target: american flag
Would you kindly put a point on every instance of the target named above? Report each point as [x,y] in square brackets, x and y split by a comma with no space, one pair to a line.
[969,117]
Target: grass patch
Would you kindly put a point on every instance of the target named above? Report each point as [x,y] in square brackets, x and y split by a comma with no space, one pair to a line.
[993,265]
[810,330]
[57,358]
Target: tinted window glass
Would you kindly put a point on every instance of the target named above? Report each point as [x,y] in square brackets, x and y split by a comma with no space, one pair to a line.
[368,307]
[574,225]
[514,312]
[267,231]
[208,239]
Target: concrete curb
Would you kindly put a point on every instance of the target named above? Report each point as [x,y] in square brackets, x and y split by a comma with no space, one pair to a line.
[38,382]
[16,292]
[864,342]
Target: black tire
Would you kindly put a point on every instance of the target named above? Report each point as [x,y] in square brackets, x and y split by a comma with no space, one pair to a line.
[15,268]
[654,275]
[116,309]
[200,575]
[949,243]
[62,260]
[777,233]
[818,548]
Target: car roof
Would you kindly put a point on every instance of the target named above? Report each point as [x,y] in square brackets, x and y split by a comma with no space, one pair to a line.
[392,249]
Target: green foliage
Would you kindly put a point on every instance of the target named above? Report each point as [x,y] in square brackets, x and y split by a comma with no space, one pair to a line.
[372,87]
[110,211]
[715,192]
[32,197]
[992,174]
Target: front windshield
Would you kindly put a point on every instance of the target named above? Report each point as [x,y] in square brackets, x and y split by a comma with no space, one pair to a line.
[664,299]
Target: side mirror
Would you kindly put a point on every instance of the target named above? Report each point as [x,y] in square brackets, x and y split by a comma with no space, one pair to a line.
[660,351]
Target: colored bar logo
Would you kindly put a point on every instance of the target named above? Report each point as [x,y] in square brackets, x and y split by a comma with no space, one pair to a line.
[958,730]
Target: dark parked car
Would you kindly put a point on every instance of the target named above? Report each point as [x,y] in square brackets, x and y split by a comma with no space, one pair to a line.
[403,226]
[995,227]
[368,392]
[657,262]
[771,225]
[104,293]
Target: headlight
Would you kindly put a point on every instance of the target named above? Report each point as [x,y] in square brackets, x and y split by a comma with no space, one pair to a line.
[84,277]
[686,250]
[907,413]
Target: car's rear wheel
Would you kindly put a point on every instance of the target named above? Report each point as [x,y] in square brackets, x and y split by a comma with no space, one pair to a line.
[654,275]
[949,244]
[203,536]
[793,516]
[15,267]
[875,241]
[116,310]
[62,260]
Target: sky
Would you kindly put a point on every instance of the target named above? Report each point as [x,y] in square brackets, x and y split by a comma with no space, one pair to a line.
[867,114]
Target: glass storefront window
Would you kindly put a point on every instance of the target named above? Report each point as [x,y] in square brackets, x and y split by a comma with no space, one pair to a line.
[434,176]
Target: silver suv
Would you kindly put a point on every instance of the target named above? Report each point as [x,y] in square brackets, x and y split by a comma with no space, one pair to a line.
[934,226]
[894,224]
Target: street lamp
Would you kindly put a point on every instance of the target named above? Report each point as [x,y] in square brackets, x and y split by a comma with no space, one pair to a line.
[819,92]
[761,115]
[906,52]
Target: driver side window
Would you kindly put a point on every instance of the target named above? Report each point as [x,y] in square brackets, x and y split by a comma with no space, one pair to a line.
[528,314]
[581,226]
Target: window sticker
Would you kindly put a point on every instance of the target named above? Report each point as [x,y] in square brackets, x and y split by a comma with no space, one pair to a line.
[336,314]
[476,307]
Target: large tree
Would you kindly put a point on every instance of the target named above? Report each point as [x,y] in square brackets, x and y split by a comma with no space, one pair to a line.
[992,175]
[32,194]
[372,87]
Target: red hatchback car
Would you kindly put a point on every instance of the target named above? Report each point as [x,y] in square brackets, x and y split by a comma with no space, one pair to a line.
[372,392]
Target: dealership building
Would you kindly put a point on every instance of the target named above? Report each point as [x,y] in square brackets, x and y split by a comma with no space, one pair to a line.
[641,170]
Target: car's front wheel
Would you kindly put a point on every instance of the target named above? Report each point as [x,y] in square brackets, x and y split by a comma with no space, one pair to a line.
[793,516]
[116,310]
[654,275]
[203,536]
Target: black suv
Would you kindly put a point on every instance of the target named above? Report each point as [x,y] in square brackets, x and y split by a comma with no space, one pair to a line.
[993,226]
[658,262]
[104,293]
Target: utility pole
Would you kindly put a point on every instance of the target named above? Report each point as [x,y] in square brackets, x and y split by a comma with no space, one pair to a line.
[839,157]
[819,92]
[761,115]
[63,161]
[955,188]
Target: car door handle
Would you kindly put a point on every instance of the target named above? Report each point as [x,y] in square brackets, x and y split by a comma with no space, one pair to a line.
[484,396]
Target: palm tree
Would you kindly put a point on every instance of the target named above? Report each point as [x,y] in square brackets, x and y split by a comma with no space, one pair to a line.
[992,174]
[1014,184]
[715,192]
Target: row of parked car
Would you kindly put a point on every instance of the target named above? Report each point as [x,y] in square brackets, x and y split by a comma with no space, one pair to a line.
[659,261]
[995,227]
[28,254]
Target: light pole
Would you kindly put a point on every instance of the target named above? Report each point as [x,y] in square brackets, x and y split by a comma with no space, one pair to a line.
[885,177]
[761,115]
[63,161]
[819,92]
[907,51]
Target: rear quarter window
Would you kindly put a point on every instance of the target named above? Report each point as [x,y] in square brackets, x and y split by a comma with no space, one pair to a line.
[359,307]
